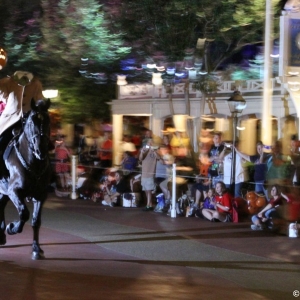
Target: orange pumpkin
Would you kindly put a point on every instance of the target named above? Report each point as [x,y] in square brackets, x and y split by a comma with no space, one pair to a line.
[252,210]
[261,201]
[251,198]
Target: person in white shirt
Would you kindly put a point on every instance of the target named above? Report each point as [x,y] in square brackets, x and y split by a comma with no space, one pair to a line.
[241,172]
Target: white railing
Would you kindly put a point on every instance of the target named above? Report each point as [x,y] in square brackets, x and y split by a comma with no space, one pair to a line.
[146,91]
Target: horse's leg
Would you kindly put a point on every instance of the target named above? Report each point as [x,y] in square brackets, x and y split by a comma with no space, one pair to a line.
[3,201]
[17,226]
[37,252]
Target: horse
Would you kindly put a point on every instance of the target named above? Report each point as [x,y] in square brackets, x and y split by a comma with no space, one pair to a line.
[27,174]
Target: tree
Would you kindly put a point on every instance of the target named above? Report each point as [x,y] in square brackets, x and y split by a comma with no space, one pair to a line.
[20,33]
[50,38]
[172,26]
[72,31]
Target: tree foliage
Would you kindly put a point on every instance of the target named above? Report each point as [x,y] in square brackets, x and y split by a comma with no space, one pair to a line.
[172,26]
[50,37]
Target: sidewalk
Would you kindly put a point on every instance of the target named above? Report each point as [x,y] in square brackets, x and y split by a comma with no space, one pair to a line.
[98,252]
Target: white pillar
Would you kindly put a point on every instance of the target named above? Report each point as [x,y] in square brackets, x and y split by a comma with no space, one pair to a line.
[74,162]
[117,137]
[173,207]
[266,128]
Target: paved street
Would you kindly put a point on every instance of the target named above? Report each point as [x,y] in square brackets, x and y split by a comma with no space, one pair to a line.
[98,252]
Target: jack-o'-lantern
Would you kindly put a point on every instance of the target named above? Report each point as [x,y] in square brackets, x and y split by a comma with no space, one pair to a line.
[252,210]
[251,198]
[3,58]
[260,201]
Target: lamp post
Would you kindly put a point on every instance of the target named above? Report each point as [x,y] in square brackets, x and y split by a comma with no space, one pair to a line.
[236,105]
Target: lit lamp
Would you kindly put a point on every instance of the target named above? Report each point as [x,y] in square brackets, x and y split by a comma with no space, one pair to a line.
[48,94]
[121,80]
[156,79]
[236,105]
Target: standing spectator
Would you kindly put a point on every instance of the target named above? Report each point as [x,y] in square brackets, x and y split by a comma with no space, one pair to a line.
[295,161]
[241,173]
[128,162]
[126,146]
[180,144]
[164,172]
[277,166]
[147,135]
[204,145]
[106,150]
[260,166]
[148,157]
[166,142]
[223,206]
[62,164]
[216,155]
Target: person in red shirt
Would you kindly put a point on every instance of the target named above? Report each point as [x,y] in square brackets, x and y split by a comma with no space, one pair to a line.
[106,151]
[223,205]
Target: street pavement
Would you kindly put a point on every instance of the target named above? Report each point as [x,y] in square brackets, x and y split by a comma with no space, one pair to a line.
[98,252]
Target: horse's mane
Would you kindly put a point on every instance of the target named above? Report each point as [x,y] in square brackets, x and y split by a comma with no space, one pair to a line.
[40,105]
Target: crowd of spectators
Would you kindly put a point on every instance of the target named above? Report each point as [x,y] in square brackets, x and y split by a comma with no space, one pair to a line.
[206,188]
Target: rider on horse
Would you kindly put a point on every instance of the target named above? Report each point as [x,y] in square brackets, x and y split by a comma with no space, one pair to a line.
[16,93]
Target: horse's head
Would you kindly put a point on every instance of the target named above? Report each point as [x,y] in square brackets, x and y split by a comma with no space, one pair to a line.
[37,128]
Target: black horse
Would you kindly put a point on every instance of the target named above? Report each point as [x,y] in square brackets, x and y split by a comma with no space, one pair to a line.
[28,174]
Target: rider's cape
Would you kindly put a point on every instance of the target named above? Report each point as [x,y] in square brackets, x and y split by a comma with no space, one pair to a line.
[17,99]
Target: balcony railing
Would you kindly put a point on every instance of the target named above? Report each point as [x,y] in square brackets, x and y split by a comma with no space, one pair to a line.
[148,91]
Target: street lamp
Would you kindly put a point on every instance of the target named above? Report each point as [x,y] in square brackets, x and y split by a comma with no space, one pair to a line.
[236,105]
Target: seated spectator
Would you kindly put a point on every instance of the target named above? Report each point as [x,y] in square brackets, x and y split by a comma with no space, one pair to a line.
[208,203]
[223,206]
[121,187]
[263,219]
[200,187]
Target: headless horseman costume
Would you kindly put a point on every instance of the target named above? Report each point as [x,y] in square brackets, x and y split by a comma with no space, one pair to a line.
[16,93]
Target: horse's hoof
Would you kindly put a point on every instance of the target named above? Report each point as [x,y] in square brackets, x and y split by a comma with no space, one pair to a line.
[10,229]
[37,255]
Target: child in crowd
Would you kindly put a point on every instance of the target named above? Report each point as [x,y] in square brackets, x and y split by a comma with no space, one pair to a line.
[223,205]
[208,203]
